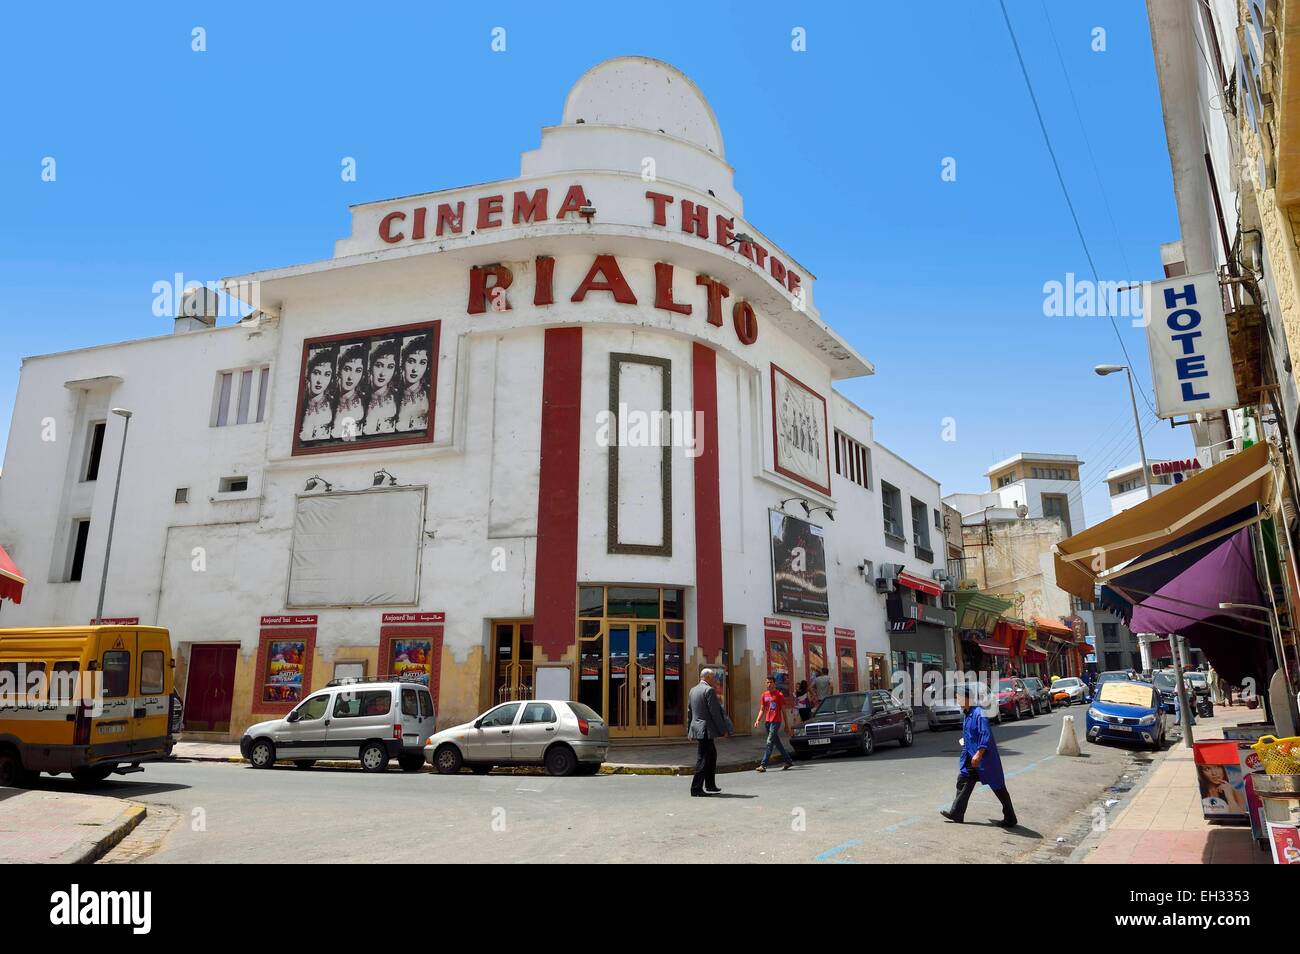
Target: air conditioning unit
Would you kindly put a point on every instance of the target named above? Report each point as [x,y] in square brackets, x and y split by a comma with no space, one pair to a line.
[949,599]
[888,574]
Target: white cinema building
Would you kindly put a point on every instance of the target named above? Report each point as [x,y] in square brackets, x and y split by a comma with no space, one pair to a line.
[433,454]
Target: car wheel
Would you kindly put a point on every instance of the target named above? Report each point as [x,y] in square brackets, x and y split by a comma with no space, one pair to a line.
[447,760]
[374,757]
[1015,711]
[481,769]
[303,763]
[560,760]
[12,773]
[868,742]
[410,763]
[906,740]
[261,755]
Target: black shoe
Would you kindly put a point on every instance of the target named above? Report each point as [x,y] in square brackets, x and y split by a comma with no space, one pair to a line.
[787,766]
[950,816]
[1005,822]
[713,791]
[695,794]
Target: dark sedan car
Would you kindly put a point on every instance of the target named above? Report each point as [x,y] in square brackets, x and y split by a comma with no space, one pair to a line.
[854,722]
[1039,695]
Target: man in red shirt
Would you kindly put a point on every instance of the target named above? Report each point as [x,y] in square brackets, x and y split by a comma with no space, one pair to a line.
[772,710]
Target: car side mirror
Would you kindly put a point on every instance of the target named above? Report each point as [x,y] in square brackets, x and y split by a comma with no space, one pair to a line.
[292,717]
[478,723]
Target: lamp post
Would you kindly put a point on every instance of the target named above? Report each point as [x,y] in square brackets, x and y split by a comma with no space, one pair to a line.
[112,515]
[1105,369]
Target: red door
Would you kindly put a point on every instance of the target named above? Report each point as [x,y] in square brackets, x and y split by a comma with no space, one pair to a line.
[211,685]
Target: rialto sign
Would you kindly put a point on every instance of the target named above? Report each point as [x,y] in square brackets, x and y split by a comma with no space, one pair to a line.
[1191,363]
[488,284]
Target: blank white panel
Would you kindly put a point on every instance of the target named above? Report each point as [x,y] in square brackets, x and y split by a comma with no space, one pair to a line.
[516,436]
[640,461]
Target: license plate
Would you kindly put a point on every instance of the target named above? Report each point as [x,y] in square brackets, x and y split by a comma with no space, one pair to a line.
[1122,728]
[111,729]
[819,741]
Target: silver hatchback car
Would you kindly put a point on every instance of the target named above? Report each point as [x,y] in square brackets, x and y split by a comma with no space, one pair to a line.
[567,737]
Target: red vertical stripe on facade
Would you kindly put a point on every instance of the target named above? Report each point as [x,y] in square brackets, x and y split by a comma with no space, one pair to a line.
[555,602]
[708,522]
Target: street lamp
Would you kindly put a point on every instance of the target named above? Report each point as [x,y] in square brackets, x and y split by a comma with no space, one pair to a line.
[112,515]
[1105,369]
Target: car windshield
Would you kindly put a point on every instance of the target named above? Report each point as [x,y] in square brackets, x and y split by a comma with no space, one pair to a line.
[1032,683]
[843,703]
[1066,683]
[1128,694]
[1163,681]
[1005,684]
[1196,677]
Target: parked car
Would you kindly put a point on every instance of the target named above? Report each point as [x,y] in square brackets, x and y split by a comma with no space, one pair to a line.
[1039,695]
[1167,685]
[1069,690]
[1112,675]
[369,720]
[1127,711]
[947,712]
[853,722]
[566,737]
[1013,699]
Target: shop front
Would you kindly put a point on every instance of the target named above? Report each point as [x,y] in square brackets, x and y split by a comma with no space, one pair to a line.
[920,633]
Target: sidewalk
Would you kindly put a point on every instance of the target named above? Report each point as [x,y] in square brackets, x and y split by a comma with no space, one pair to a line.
[1162,824]
[740,753]
[61,827]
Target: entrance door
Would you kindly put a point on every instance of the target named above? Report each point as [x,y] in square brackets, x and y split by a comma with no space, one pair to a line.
[210,687]
[640,663]
[512,647]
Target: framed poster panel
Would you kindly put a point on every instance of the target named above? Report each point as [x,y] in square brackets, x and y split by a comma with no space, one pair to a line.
[814,651]
[800,442]
[373,388]
[779,659]
[798,567]
[285,649]
[846,659]
[410,648]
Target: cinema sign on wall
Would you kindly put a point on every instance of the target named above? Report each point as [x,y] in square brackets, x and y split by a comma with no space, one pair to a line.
[1187,336]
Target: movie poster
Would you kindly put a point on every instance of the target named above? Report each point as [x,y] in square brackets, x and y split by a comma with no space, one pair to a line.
[798,567]
[800,441]
[286,659]
[411,660]
[367,389]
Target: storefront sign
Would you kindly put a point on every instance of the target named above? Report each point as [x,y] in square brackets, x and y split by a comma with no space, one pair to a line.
[1191,363]
[846,633]
[798,567]
[902,626]
[1175,466]
[816,629]
[309,620]
[414,618]
[771,622]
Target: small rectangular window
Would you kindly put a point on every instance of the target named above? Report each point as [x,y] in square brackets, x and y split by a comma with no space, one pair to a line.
[354,705]
[410,704]
[182,495]
[95,450]
[80,533]
[223,400]
[151,672]
[117,673]
[261,394]
[350,670]
[233,485]
[245,396]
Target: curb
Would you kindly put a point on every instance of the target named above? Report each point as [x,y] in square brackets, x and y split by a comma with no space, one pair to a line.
[96,850]
[607,768]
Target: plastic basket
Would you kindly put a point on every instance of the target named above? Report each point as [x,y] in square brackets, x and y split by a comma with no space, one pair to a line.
[1280,756]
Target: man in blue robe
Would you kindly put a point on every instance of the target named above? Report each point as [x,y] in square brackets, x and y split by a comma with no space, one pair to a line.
[979,762]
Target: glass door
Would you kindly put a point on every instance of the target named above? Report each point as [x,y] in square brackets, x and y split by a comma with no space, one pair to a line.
[512,648]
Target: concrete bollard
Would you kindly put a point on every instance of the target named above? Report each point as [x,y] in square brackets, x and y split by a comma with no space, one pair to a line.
[1069,744]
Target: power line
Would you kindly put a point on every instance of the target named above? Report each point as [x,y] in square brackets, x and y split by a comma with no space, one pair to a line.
[1060,177]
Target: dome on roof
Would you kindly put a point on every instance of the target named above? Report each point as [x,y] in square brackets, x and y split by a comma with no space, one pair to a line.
[644,93]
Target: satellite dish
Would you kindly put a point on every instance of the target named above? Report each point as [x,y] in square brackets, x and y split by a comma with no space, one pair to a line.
[1022,511]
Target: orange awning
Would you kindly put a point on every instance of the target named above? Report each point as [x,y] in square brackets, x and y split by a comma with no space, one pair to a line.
[1092,556]
[1054,627]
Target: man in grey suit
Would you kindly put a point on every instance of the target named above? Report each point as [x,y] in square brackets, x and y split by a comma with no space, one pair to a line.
[707,722]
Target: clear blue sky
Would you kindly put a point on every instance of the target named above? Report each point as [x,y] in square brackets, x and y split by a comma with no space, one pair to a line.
[227,161]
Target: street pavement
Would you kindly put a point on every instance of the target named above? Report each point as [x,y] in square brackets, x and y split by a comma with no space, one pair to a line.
[840,809]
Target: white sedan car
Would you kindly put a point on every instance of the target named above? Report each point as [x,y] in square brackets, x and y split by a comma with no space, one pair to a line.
[1075,688]
[566,737]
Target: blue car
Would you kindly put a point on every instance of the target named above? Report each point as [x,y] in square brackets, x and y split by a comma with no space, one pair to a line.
[1129,712]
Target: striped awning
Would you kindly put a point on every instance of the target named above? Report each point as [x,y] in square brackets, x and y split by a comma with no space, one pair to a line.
[11,581]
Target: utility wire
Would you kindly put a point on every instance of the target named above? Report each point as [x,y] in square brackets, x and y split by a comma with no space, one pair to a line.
[1060,177]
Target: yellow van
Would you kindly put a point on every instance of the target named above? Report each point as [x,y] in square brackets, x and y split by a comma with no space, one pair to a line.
[89,700]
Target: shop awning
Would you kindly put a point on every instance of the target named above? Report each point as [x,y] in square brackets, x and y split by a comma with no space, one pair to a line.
[1052,627]
[11,581]
[1035,653]
[992,648]
[976,610]
[919,583]
[1093,556]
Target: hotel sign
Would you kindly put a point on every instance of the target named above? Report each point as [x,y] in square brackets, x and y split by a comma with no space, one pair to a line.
[1187,336]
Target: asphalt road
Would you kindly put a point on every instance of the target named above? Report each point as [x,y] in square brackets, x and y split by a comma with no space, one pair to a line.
[842,809]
